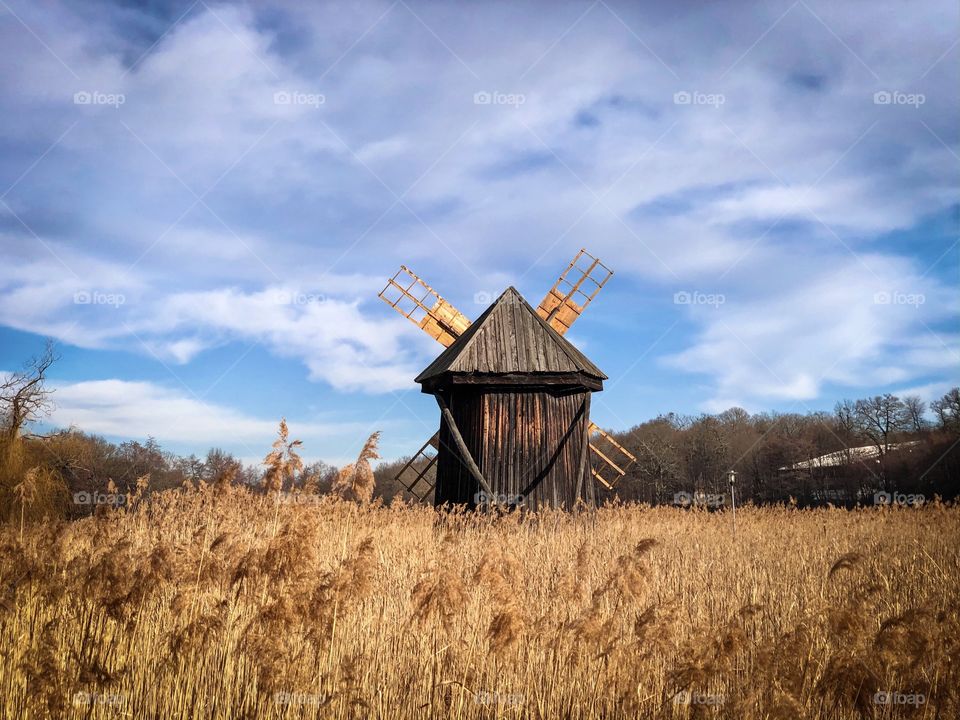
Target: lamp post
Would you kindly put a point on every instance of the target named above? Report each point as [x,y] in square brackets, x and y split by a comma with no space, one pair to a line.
[732,479]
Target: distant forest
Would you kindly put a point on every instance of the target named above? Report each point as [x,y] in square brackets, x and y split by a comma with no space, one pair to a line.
[910,449]
[682,455]
[780,457]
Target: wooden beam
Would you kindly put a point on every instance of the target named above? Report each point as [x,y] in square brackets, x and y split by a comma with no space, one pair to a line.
[420,476]
[584,450]
[559,308]
[597,429]
[461,445]
[609,462]
[574,287]
[441,320]
[567,380]
[602,479]
[434,442]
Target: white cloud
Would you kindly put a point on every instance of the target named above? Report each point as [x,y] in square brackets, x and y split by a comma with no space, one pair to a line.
[847,324]
[338,343]
[324,328]
[927,392]
[598,154]
[137,410]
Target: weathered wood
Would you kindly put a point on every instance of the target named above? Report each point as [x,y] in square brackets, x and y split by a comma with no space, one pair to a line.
[524,444]
[491,345]
[465,455]
[514,399]
[584,450]
[525,381]
[436,317]
[434,442]
[627,455]
[567,299]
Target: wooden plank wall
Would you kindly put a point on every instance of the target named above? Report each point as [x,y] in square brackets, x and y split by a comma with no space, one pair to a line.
[525,443]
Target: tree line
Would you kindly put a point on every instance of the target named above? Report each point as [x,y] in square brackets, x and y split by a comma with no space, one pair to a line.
[910,450]
[872,445]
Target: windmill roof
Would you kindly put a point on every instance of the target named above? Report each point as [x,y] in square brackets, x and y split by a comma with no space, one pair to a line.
[510,338]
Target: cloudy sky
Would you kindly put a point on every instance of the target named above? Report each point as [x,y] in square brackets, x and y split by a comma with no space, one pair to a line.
[200,201]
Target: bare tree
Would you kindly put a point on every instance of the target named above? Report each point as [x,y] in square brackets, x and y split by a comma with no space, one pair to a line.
[846,414]
[879,418]
[705,454]
[24,395]
[658,469]
[221,467]
[914,409]
[947,409]
[24,398]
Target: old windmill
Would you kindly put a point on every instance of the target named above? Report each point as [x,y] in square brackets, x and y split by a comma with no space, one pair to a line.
[514,397]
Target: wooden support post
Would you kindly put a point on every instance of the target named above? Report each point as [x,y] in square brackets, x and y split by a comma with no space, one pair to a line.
[585,450]
[462,446]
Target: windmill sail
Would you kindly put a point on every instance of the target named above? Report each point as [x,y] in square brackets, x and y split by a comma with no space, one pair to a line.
[410,296]
[416,475]
[576,288]
[607,470]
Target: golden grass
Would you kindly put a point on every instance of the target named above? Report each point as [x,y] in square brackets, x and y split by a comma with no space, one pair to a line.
[219,603]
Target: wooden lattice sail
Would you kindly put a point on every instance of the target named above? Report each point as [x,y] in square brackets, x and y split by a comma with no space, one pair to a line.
[576,288]
[416,475]
[608,471]
[410,296]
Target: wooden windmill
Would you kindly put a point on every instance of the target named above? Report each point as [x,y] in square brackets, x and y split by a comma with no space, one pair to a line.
[514,397]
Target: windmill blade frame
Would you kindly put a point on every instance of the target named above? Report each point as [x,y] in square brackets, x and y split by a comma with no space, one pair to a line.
[614,472]
[420,475]
[576,288]
[424,307]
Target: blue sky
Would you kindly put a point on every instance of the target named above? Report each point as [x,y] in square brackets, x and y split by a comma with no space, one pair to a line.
[200,202]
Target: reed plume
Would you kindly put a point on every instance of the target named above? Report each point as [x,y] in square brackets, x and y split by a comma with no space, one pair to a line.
[356,481]
[218,601]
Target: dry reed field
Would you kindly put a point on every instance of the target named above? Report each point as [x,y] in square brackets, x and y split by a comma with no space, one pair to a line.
[215,602]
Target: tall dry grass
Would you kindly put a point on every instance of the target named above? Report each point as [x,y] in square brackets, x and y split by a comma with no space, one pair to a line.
[214,602]
[356,480]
